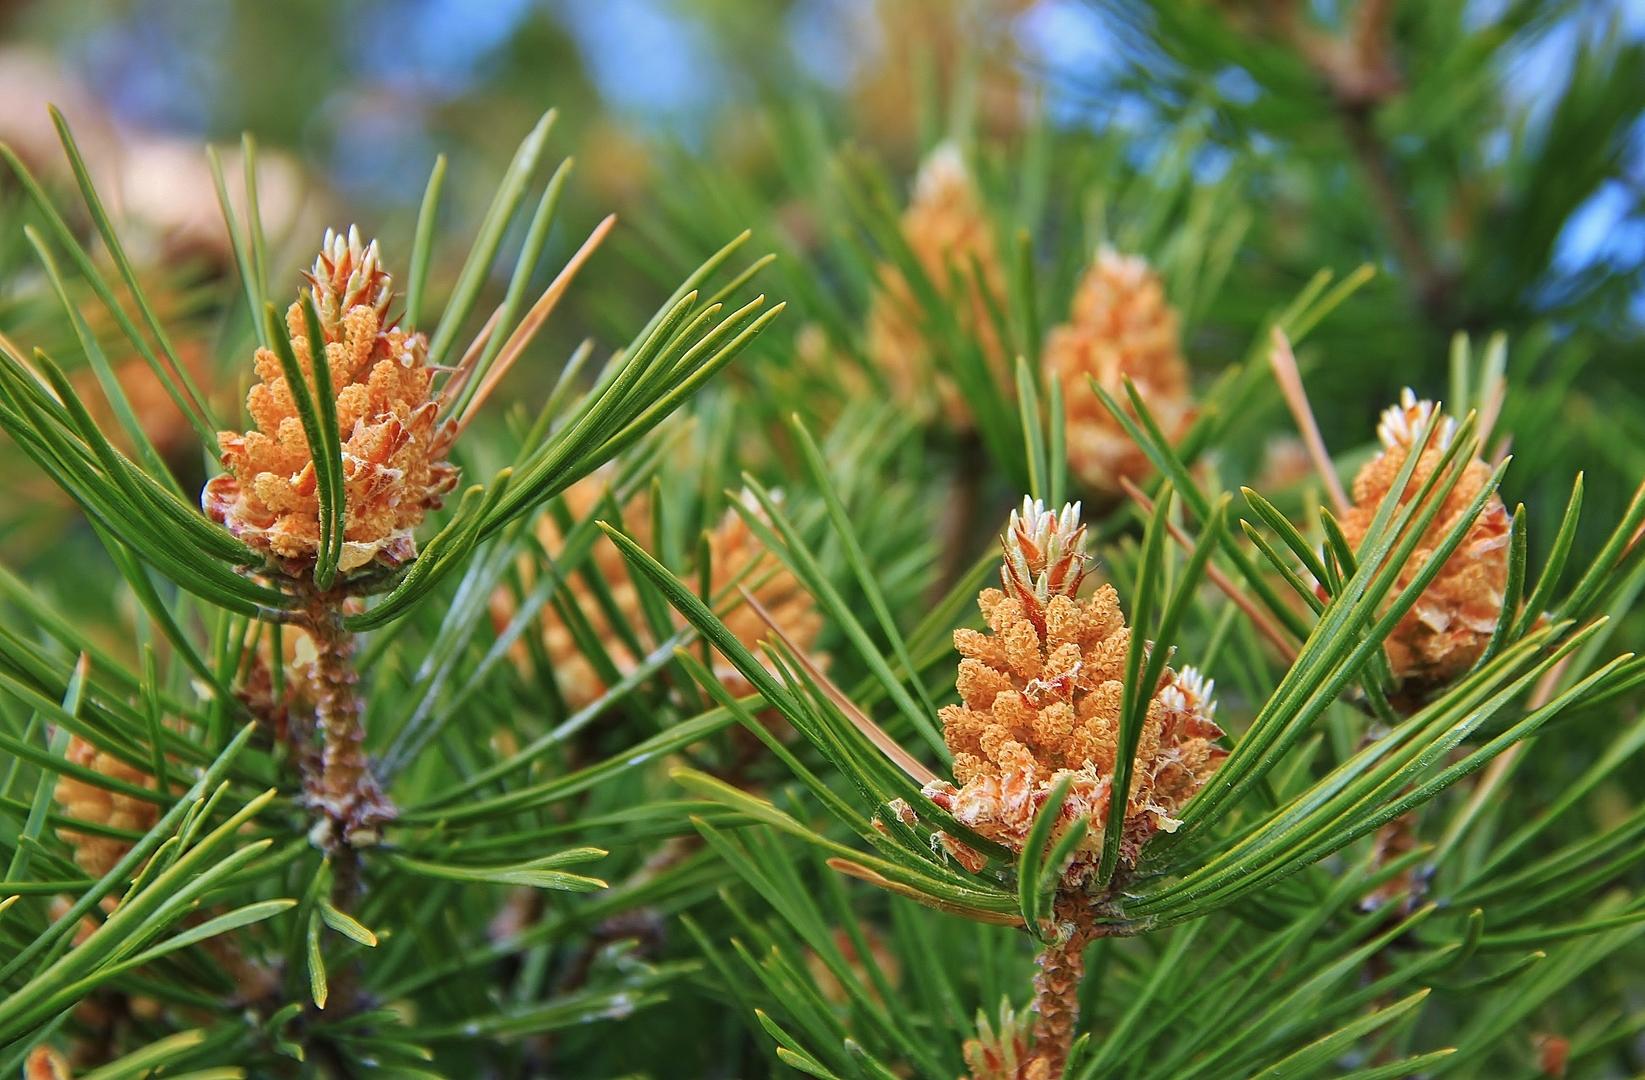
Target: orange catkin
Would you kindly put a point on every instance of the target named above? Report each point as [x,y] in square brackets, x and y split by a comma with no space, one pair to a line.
[86,801]
[1041,697]
[952,239]
[737,558]
[1448,628]
[1121,326]
[393,442]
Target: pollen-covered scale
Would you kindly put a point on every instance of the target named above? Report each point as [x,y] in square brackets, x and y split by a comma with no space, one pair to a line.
[1041,694]
[1450,625]
[393,440]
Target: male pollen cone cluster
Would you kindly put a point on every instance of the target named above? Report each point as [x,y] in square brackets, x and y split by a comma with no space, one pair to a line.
[949,232]
[1041,694]
[393,441]
[1448,628]
[736,556]
[84,801]
[91,804]
[1120,326]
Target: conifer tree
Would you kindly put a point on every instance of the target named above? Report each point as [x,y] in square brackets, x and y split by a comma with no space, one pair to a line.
[1161,601]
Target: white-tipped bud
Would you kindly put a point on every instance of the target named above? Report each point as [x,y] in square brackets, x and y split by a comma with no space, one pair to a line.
[1401,425]
[1189,694]
[1037,706]
[347,273]
[1043,551]
[942,170]
[1132,268]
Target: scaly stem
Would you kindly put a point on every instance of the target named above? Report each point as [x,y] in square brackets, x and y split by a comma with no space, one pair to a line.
[343,791]
[1057,986]
[344,796]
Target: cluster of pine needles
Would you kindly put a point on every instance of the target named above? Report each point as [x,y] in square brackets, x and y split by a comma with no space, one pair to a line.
[931,681]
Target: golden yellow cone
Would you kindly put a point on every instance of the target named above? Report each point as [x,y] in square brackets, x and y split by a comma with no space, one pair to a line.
[1121,326]
[737,558]
[949,232]
[1448,628]
[575,675]
[393,440]
[1041,696]
[83,800]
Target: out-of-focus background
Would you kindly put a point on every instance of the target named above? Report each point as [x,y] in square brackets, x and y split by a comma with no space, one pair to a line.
[360,96]
[357,98]
[1486,157]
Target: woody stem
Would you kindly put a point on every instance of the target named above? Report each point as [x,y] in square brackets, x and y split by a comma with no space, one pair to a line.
[344,792]
[1057,988]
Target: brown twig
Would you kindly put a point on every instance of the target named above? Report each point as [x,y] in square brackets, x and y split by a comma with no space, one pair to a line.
[1057,984]
[1432,285]
[345,792]
[326,730]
